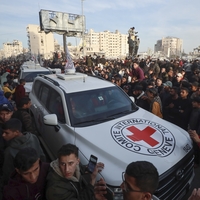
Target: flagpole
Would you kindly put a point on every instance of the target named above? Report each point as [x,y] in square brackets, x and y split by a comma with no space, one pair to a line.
[64,42]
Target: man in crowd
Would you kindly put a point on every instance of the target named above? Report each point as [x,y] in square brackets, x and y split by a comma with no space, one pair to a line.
[20,91]
[16,141]
[139,182]
[29,178]
[171,106]
[24,116]
[65,181]
[137,71]
[6,88]
[185,107]
[6,112]
[138,93]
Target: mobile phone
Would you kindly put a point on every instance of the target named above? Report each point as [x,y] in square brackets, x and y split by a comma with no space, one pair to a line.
[92,163]
[109,195]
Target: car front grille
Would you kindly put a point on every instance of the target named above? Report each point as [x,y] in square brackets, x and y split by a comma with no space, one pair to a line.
[175,183]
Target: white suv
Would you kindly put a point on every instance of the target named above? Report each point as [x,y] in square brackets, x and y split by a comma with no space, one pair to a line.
[28,71]
[102,120]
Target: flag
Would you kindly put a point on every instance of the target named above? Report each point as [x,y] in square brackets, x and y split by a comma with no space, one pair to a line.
[33,57]
[69,66]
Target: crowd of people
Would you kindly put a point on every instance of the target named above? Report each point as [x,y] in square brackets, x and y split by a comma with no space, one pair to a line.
[168,89]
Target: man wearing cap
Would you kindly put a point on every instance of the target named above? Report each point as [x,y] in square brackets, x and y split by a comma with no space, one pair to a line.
[6,111]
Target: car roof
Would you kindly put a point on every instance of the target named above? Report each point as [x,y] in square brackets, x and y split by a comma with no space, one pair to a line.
[32,66]
[76,82]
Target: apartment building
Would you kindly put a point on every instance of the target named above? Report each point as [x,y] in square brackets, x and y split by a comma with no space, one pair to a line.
[12,49]
[170,46]
[39,42]
[112,45]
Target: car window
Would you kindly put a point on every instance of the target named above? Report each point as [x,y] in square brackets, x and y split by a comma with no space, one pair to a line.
[55,106]
[43,94]
[50,99]
[30,76]
[37,88]
[95,106]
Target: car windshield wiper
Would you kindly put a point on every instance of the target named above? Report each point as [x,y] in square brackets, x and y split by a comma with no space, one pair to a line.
[96,120]
[121,113]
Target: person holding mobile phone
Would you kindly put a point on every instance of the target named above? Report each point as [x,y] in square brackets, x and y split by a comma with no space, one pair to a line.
[65,181]
[139,182]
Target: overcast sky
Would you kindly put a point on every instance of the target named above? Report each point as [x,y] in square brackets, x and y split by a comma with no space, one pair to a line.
[153,19]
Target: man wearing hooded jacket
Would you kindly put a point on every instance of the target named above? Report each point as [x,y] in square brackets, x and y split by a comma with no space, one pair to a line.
[65,180]
[17,141]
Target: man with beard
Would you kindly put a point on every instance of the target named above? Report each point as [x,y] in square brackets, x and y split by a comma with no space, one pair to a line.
[139,182]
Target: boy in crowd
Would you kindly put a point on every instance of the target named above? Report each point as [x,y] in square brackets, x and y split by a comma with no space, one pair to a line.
[29,178]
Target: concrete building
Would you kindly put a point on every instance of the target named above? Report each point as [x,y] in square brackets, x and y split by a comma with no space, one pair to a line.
[196,51]
[39,42]
[112,45]
[12,49]
[1,54]
[170,46]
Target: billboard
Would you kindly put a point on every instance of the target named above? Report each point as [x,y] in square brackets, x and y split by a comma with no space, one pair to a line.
[61,23]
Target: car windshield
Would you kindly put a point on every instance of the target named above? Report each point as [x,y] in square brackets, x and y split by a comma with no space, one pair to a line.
[30,76]
[97,106]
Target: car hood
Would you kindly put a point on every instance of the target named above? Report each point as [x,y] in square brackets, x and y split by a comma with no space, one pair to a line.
[137,136]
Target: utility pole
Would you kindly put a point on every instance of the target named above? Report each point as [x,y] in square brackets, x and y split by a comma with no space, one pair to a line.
[83,31]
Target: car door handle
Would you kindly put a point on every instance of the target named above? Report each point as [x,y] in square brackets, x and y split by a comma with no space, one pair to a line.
[57,128]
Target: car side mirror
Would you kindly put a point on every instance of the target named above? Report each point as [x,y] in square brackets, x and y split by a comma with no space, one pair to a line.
[50,119]
[132,99]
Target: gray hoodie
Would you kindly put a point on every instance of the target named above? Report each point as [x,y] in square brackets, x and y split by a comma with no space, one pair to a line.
[16,144]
